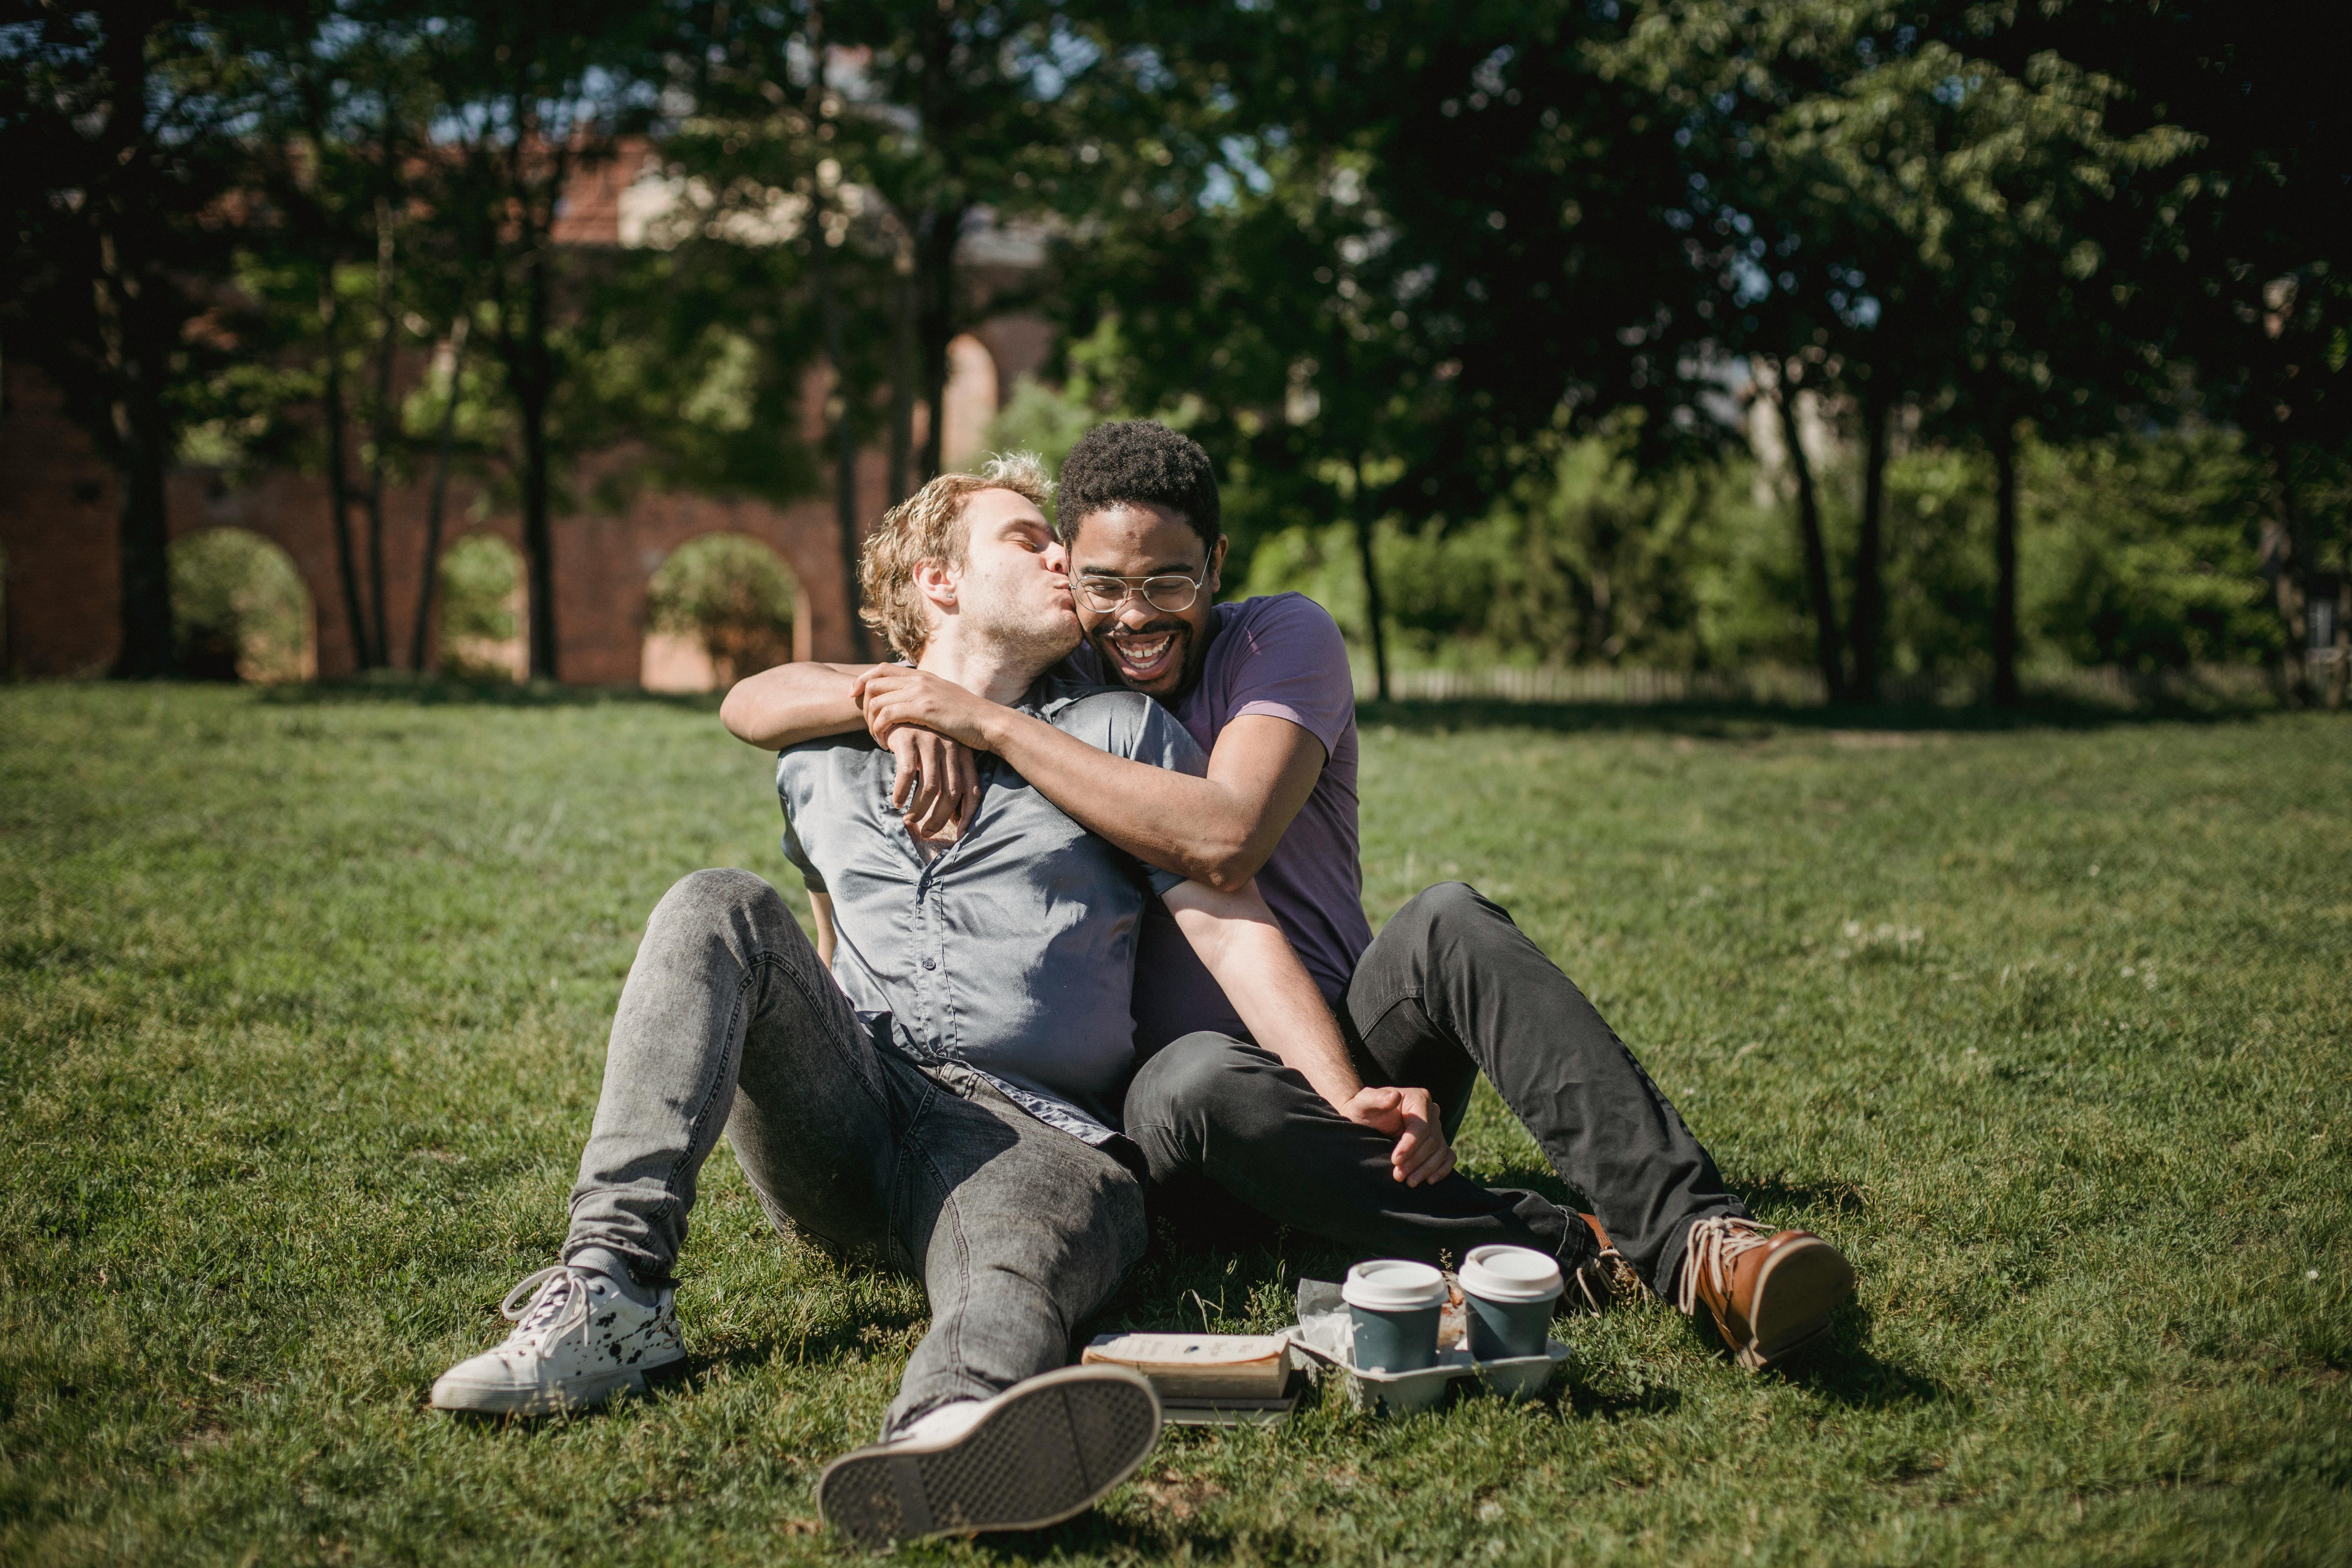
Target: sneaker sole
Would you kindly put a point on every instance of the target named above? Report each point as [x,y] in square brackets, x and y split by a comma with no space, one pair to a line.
[1047,1452]
[1798,1290]
[479,1399]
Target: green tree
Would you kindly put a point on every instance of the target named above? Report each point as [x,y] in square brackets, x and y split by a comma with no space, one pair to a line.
[1891,211]
[534,94]
[120,147]
[1374,257]
[2237,268]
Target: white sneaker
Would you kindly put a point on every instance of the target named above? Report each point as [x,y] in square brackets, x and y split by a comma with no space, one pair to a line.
[578,1341]
[1044,1449]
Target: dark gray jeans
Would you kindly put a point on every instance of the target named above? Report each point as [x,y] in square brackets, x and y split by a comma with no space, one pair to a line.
[1451,988]
[1018,1231]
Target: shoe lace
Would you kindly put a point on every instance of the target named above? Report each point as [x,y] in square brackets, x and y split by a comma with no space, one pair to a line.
[1713,1245]
[548,1305]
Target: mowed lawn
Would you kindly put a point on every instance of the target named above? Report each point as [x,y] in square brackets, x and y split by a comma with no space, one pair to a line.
[302,1008]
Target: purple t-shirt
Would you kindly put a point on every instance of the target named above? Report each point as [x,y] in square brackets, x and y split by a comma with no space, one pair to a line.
[1282,655]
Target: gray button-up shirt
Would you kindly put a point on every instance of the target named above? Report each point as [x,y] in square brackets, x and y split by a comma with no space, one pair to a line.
[1012,951]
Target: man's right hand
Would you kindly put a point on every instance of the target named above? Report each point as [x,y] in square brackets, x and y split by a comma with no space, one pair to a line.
[915,715]
[1422,1153]
[937,788]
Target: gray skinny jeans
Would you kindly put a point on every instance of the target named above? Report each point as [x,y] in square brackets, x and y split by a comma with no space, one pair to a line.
[1018,1231]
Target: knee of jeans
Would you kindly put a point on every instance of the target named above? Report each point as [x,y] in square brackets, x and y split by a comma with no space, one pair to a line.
[725,897]
[1447,912]
[722,888]
[1215,1089]
[1183,1077]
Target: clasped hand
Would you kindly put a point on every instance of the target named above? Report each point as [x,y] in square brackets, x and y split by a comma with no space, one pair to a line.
[931,728]
[1422,1153]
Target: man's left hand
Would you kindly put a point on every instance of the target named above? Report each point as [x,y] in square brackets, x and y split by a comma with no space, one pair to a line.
[1422,1155]
[892,695]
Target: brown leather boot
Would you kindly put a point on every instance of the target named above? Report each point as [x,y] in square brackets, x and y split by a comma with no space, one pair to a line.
[1771,1294]
[1606,1278]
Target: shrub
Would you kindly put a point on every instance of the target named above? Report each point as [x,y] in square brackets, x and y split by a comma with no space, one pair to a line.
[733,596]
[239,607]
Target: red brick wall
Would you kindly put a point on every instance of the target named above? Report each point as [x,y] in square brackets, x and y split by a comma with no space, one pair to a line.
[58,525]
[58,522]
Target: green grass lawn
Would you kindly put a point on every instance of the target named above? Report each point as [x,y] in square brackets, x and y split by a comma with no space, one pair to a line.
[303,1007]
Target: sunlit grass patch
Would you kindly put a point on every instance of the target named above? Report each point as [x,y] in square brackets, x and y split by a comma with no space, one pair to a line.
[303,1006]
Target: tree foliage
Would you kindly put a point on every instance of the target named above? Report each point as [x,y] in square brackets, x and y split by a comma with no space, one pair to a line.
[1478,285]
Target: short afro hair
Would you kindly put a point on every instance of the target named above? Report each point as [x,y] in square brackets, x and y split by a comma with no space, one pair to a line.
[1138,461]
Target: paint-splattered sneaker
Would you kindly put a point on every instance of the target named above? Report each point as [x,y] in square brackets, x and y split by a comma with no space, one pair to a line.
[1770,1293]
[1044,1449]
[578,1341]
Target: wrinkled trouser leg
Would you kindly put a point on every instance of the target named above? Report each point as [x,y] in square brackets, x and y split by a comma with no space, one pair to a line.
[1021,1231]
[1451,988]
[1214,1107]
[728,1023]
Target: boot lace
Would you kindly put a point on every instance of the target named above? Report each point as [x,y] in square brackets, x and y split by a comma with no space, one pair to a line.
[1606,1277]
[548,1305]
[1713,1245]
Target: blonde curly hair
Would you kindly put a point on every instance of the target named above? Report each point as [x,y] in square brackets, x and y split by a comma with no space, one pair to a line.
[928,526]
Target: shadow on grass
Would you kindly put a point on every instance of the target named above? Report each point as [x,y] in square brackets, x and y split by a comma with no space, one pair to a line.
[1585,1402]
[1841,1367]
[1748,721]
[1777,1196]
[1091,1534]
[390,690]
[1528,1175]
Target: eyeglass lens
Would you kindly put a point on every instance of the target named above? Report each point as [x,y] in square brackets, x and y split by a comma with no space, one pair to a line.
[1169,594]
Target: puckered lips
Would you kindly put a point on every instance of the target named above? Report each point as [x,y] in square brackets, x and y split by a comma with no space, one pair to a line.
[1147,655]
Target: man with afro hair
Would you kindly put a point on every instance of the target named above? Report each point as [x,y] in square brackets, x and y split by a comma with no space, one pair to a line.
[1451,988]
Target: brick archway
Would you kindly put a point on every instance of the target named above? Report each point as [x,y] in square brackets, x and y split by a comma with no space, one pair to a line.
[677,661]
[58,517]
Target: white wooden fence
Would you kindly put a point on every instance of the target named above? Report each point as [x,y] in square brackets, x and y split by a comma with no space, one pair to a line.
[1795,687]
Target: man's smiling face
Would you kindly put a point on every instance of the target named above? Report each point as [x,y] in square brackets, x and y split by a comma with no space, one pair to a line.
[1157,652]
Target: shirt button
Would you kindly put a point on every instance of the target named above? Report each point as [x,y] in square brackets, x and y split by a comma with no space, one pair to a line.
[930,963]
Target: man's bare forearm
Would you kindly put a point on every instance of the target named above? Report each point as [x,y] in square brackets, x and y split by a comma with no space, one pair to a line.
[1175,821]
[793,702]
[1208,829]
[1238,942]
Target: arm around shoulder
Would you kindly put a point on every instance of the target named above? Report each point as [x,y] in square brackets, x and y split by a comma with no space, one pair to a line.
[790,703]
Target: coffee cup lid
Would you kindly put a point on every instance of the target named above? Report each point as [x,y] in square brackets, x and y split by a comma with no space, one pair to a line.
[1393,1285]
[1510,1274]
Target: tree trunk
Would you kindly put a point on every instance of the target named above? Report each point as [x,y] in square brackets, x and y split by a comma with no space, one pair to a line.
[420,648]
[1808,527]
[141,447]
[844,434]
[2339,681]
[2004,558]
[534,391]
[149,645]
[538,536]
[339,487]
[138,356]
[1374,611]
[904,359]
[935,326]
[380,430]
[1868,629]
[2294,576]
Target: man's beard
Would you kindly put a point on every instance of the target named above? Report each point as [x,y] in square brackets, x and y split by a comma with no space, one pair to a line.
[1031,642]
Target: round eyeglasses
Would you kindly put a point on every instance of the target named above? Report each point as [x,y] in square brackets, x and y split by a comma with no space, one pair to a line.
[1171,592]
